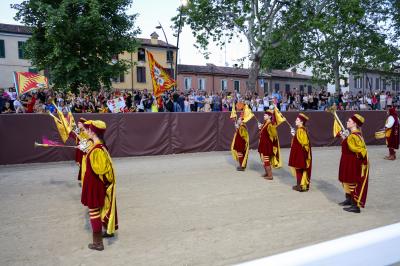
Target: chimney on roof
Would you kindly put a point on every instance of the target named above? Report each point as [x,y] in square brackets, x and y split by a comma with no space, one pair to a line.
[294,71]
[154,38]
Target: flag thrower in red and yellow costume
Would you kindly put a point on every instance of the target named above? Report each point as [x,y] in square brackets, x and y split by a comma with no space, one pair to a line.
[160,78]
[354,165]
[392,133]
[268,145]
[82,140]
[98,185]
[300,158]
[240,144]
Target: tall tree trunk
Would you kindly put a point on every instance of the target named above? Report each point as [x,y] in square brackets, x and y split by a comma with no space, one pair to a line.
[254,71]
[337,79]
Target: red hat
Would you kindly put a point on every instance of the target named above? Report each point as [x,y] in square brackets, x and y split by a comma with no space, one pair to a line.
[358,119]
[303,117]
[392,111]
[97,126]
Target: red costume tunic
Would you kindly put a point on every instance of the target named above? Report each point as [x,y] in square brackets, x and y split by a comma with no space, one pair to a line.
[354,166]
[240,145]
[98,186]
[300,151]
[268,144]
[392,134]
[300,157]
[93,188]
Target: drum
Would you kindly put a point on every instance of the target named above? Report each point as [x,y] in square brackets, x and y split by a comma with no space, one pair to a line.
[380,134]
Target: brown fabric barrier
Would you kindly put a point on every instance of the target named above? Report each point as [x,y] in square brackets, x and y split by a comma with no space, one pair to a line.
[139,134]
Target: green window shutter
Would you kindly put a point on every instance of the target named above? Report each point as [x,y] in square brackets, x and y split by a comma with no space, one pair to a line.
[2,49]
[21,50]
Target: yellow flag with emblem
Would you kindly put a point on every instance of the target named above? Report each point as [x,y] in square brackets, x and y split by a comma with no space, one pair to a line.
[248,114]
[233,112]
[279,118]
[62,124]
[336,128]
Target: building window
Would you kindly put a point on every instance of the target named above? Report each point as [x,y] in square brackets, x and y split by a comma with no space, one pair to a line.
[201,84]
[141,74]
[224,84]
[33,70]
[188,83]
[236,85]
[368,83]
[141,56]
[120,78]
[309,88]
[170,56]
[266,87]
[397,85]
[393,85]
[301,88]
[21,54]
[355,83]
[2,49]
[276,87]
[287,88]
[384,84]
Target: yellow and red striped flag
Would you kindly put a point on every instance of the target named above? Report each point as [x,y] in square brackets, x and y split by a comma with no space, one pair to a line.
[27,81]
[161,80]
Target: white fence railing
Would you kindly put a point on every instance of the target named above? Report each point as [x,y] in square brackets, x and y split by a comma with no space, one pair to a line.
[380,246]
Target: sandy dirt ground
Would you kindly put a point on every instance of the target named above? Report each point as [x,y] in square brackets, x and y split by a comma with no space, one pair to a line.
[187,209]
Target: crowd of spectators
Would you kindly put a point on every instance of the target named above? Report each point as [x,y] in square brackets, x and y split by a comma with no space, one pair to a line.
[40,101]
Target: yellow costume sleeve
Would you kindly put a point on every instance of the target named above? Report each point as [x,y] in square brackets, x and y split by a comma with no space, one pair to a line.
[356,144]
[100,161]
[302,137]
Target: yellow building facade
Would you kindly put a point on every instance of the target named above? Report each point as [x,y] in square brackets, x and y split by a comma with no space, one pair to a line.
[138,76]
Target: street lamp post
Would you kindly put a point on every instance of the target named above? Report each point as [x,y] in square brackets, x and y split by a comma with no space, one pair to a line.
[166,40]
[183,4]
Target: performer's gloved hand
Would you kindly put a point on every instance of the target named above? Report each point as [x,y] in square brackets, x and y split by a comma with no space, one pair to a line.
[236,125]
[344,133]
[292,131]
[259,125]
[83,147]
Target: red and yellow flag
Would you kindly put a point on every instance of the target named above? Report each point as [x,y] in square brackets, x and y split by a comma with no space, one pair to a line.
[161,80]
[27,81]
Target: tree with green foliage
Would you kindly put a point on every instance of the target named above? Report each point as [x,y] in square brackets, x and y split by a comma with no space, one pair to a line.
[77,41]
[270,27]
[349,35]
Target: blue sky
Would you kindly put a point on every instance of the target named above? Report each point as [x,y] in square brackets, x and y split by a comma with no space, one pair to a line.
[152,11]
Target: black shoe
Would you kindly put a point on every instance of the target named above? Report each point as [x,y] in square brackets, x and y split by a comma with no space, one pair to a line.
[352,208]
[347,202]
[105,235]
[239,168]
